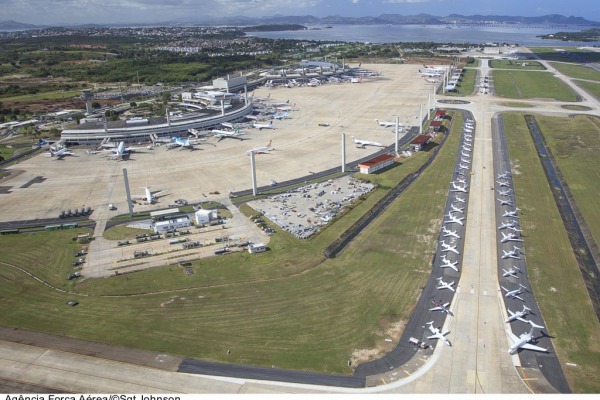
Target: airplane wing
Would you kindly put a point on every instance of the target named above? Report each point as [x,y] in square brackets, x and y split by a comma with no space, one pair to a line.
[529,346]
[435,309]
[433,337]
[518,297]
[513,338]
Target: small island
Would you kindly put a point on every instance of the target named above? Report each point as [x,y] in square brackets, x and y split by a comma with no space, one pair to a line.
[586,35]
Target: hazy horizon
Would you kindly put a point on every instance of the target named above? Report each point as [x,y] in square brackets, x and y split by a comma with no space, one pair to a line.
[75,12]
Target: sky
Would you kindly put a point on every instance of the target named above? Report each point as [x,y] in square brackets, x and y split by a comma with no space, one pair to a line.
[74,12]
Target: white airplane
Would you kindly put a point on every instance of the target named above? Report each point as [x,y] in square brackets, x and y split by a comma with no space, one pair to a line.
[448,264]
[514,294]
[439,306]
[503,183]
[120,151]
[452,219]
[283,115]
[504,192]
[196,133]
[460,199]
[448,232]
[60,153]
[459,180]
[431,80]
[510,237]
[505,202]
[285,108]
[149,196]
[227,134]
[261,150]
[512,213]
[504,175]
[260,127]
[457,188]
[508,224]
[385,124]
[462,153]
[522,342]
[514,253]
[512,272]
[457,209]
[437,334]
[466,147]
[182,143]
[460,165]
[444,285]
[518,315]
[279,104]
[465,160]
[514,228]
[447,247]
[362,143]
[468,139]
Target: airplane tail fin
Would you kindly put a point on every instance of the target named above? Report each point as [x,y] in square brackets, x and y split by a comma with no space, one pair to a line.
[534,325]
[270,141]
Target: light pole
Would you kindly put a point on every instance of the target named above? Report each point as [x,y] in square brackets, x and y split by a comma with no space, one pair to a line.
[253,172]
[343,152]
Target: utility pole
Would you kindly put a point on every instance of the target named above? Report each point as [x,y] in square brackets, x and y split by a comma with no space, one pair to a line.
[343,152]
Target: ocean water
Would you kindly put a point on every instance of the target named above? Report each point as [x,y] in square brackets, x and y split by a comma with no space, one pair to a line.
[525,36]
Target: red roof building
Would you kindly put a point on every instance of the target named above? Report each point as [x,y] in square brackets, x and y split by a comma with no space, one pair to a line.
[419,142]
[375,164]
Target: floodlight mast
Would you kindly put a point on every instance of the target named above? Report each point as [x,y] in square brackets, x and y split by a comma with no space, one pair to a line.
[253,172]
[343,152]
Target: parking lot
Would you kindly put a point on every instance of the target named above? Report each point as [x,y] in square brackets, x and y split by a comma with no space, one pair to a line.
[304,210]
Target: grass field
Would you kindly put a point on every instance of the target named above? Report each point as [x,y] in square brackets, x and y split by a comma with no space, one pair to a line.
[549,54]
[529,85]
[575,143]
[289,307]
[516,104]
[466,86]
[514,64]
[553,271]
[27,98]
[590,87]
[577,71]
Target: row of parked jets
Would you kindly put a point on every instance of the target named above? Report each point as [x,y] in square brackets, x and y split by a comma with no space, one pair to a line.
[456,215]
[511,224]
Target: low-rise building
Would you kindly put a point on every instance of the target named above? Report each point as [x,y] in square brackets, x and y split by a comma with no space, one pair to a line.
[256,248]
[171,224]
[204,217]
[419,142]
[375,164]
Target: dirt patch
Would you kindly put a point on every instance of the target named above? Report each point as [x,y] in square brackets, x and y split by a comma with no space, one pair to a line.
[391,331]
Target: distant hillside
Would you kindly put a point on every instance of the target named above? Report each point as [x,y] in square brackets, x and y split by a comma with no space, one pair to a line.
[383,19]
[15,26]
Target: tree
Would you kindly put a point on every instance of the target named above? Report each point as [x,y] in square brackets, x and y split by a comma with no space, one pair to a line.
[133,104]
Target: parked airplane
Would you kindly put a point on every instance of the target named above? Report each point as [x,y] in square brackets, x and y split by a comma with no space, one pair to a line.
[448,232]
[465,160]
[507,224]
[260,127]
[504,175]
[120,151]
[459,180]
[196,133]
[439,306]
[522,342]
[514,253]
[462,166]
[281,115]
[149,196]
[385,124]
[512,213]
[60,153]
[510,237]
[285,108]
[514,294]
[444,285]
[437,334]
[457,188]
[448,264]
[504,192]
[505,202]
[227,134]
[511,272]
[503,183]
[431,80]
[261,150]
[460,199]
[182,143]
[514,228]
[453,219]
[462,153]
[447,247]
[457,209]
[362,143]
[468,139]
[518,315]
[466,147]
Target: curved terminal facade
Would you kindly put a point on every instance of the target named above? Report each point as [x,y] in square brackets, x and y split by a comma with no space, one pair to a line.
[139,131]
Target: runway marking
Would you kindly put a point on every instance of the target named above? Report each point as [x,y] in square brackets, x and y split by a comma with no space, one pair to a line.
[406,372]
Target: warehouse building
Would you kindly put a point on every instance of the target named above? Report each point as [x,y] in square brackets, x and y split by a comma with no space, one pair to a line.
[375,164]
[172,224]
